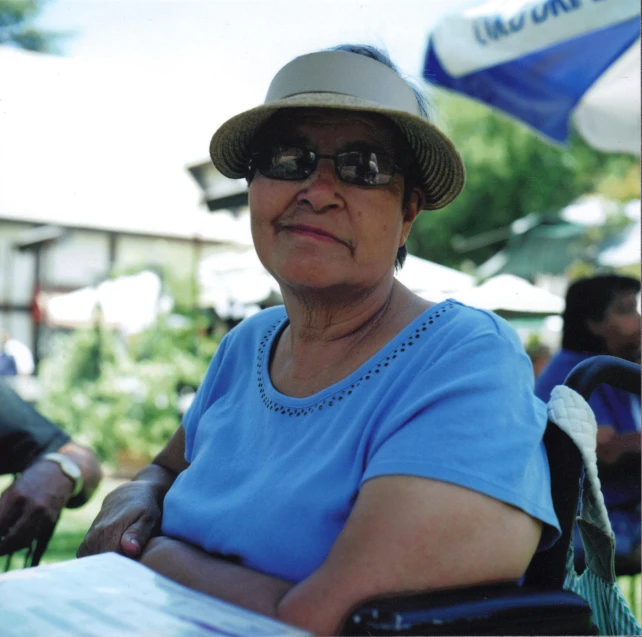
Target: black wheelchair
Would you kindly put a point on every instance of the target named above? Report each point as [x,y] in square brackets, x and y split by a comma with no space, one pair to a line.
[540,605]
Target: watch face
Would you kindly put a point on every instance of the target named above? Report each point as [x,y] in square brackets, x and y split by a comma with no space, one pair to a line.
[69,468]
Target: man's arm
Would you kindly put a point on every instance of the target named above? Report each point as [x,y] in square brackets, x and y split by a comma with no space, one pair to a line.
[31,505]
[404,534]
[25,434]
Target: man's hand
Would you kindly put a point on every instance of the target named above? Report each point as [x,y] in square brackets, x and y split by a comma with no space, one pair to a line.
[130,516]
[31,506]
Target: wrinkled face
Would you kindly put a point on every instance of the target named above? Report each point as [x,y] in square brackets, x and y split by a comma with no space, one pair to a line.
[620,327]
[320,232]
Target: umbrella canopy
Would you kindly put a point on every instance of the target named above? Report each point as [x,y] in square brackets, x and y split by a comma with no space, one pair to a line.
[542,62]
[549,244]
[510,294]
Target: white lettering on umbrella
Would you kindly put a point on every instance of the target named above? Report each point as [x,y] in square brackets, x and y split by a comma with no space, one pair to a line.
[465,42]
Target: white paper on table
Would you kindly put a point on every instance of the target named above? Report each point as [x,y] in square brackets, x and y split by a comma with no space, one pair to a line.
[110,595]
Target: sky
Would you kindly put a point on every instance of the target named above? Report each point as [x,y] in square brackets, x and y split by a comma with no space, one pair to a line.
[143,84]
[106,131]
[220,55]
[243,34]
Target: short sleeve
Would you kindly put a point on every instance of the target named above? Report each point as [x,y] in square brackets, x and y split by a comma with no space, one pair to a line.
[471,418]
[25,434]
[202,400]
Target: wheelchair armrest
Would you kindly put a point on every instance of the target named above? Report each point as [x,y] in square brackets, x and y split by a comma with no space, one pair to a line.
[498,609]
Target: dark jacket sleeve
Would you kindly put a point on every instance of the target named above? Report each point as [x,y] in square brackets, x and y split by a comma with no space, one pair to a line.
[24,433]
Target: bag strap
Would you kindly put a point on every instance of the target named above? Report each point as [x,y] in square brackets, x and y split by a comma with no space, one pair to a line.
[573,415]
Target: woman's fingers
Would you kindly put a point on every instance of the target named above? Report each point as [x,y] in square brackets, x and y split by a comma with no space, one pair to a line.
[100,538]
[125,525]
[138,534]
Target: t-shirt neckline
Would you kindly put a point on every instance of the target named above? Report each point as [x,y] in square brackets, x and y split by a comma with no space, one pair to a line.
[345,388]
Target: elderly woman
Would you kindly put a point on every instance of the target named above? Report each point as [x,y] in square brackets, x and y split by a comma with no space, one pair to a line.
[359,440]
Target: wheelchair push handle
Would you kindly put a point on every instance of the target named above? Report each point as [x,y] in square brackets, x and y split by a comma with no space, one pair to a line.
[588,374]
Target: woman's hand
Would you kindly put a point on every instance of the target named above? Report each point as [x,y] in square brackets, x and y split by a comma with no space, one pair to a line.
[130,516]
[133,512]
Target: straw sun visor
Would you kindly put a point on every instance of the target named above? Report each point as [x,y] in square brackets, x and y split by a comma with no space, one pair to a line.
[307,82]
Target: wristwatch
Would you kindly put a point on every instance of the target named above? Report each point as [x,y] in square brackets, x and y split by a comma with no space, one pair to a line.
[69,468]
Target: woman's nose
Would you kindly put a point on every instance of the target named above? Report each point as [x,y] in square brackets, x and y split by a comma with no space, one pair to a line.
[320,189]
[325,170]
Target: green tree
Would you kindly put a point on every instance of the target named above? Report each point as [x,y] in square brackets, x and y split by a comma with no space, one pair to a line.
[511,172]
[17,27]
[129,404]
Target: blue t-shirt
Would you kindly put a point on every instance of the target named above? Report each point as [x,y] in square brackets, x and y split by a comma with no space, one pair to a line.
[272,479]
[612,407]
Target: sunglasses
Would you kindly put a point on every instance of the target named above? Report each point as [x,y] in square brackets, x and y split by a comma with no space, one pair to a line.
[293,163]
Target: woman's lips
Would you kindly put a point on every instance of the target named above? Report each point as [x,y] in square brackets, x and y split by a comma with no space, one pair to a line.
[315,233]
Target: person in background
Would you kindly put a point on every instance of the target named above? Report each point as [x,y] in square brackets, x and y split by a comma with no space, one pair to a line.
[602,317]
[53,472]
[19,353]
[7,364]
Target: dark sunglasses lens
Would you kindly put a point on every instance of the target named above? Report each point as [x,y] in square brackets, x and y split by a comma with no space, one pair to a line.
[285,163]
[365,168]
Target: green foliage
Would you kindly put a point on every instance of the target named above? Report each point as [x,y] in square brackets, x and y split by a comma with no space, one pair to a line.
[511,172]
[122,399]
[16,26]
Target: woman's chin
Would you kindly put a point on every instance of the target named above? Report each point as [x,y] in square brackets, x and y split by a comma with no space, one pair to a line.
[307,271]
[310,281]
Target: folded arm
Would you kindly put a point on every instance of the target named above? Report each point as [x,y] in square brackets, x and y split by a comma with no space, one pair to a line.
[404,534]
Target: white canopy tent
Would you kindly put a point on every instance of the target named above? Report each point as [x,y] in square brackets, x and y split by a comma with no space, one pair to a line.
[509,293]
[234,282]
[130,303]
[431,280]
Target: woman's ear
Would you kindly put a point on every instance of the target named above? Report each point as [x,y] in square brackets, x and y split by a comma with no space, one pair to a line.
[415,205]
[413,208]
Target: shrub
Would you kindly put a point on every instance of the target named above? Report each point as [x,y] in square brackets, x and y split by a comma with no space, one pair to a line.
[121,397]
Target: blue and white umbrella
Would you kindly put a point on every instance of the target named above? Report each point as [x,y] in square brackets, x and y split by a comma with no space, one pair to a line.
[543,61]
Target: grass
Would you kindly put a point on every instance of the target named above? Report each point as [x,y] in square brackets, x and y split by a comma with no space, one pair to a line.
[74,523]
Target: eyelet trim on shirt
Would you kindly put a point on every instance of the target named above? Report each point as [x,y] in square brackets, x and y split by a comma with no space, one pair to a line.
[377,371]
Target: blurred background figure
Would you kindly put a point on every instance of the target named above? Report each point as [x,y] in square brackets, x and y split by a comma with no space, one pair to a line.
[15,357]
[53,472]
[602,317]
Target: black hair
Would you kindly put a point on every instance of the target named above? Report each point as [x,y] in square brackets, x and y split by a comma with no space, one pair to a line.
[588,299]
[412,179]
